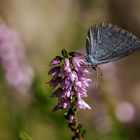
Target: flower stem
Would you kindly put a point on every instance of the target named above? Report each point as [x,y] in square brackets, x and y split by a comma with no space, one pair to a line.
[75,127]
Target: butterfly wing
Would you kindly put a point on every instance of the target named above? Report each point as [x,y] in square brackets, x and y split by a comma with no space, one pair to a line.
[106,42]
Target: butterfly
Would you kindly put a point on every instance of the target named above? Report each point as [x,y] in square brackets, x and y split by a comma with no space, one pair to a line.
[106,42]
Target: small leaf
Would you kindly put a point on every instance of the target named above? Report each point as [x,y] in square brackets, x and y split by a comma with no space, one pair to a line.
[24,136]
[81,129]
[64,53]
[66,115]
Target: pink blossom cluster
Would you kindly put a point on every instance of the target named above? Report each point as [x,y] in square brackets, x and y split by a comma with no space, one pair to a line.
[70,81]
[12,55]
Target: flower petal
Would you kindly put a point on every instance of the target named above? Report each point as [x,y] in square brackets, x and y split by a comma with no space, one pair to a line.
[54,71]
[70,118]
[55,81]
[73,76]
[81,104]
[55,61]
[75,54]
[57,93]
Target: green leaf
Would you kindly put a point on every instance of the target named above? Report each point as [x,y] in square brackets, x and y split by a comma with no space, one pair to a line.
[64,53]
[66,115]
[24,136]
[81,129]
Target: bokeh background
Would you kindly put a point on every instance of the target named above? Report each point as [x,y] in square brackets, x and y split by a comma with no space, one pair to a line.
[32,32]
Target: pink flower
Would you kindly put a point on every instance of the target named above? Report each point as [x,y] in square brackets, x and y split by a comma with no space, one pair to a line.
[72,81]
[18,72]
[81,104]
[54,71]
[77,62]
[55,61]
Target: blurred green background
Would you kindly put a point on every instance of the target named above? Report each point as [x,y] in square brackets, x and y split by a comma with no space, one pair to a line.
[47,26]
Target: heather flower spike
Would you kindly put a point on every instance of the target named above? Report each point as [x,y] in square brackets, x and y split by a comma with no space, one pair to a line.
[70,83]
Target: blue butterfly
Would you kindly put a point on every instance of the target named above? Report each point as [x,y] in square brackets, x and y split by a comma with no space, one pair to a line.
[106,43]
